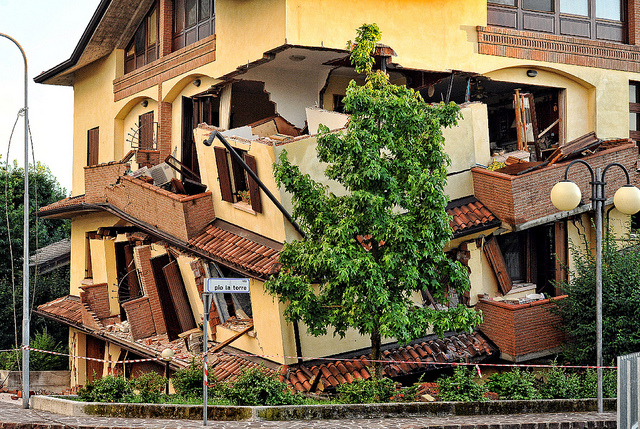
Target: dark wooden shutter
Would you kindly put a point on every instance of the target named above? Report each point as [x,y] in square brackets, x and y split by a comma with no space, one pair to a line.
[493,253]
[223,174]
[254,189]
[179,296]
[93,144]
[561,251]
[146,130]
[168,311]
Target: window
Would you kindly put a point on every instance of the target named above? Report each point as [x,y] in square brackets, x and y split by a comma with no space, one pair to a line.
[143,48]
[634,111]
[593,19]
[193,20]
[235,184]
[93,143]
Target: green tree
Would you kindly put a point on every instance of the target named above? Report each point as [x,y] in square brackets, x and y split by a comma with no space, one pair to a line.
[43,189]
[620,301]
[366,253]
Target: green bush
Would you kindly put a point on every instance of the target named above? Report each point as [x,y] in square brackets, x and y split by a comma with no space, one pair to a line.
[367,391]
[590,384]
[150,386]
[256,387]
[38,361]
[620,301]
[559,384]
[514,384]
[188,382]
[461,386]
[107,389]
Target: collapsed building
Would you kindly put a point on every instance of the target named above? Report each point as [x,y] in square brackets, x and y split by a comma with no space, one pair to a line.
[155,211]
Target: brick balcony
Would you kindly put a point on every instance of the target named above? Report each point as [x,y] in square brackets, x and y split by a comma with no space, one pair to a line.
[517,199]
[522,331]
[182,216]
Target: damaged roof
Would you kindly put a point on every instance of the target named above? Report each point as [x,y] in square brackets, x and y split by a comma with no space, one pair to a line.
[408,360]
[469,215]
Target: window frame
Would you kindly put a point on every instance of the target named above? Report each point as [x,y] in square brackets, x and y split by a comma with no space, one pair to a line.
[204,26]
[563,24]
[93,146]
[634,109]
[133,59]
[234,179]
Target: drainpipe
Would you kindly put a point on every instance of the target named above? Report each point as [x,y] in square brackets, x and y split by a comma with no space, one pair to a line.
[253,175]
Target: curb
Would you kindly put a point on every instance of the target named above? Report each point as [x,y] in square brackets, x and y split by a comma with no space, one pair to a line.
[318,412]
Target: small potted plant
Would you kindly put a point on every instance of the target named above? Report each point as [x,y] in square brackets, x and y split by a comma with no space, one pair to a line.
[245,196]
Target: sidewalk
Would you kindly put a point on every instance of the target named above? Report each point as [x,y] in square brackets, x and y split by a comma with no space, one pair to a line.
[12,415]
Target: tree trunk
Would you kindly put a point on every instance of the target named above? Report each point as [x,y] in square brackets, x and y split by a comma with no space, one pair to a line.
[376,354]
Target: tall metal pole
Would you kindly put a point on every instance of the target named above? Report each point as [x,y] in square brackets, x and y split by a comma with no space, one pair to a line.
[207,299]
[25,255]
[598,202]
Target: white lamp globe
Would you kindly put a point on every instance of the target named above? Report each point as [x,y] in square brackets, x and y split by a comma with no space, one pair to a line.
[167,354]
[565,195]
[627,199]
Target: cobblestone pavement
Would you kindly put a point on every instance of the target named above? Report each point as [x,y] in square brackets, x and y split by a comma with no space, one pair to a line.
[12,415]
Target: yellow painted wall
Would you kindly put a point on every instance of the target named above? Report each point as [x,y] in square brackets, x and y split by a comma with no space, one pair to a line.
[269,223]
[103,262]
[481,275]
[77,347]
[80,225]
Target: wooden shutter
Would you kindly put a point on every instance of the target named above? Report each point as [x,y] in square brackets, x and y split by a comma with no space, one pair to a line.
[179,296]
[254,189]
[493,253]
[168,310]
[223,174]
[95,350]
[560,239]
[146,130]
[93,144]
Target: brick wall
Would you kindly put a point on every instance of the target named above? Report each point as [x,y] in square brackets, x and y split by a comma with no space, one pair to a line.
[148,158]
[505,42]
[169,66]
[523,330]
[164,125]
[96,297]
[182,216]
[519,199]
[97,177]
[139,314]
[142,258]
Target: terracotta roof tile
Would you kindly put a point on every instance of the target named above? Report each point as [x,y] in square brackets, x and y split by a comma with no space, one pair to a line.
[406,360]
[67,308]
[64,203]
[470,215]
[244,252]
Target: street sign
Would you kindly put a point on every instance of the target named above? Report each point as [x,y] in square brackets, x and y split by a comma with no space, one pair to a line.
[227,285]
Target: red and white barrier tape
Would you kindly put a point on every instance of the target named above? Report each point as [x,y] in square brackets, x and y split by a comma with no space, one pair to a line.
[416,362]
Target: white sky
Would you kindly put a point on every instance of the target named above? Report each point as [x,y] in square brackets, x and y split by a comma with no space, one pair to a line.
[48,31]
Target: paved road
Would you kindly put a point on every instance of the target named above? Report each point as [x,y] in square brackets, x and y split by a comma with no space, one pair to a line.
[13,416]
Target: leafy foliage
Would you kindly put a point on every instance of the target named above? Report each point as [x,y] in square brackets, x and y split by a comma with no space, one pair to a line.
[43,189]
[256,387]
[590,384]
[38,361]
[367,252]
[107,389]
[188,381]
[560,384]
[514,384]
[461,386]
[620,302]
[150,386]
[362,391]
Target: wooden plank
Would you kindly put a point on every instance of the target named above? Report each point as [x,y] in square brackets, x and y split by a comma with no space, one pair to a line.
[179,296]
[494,255]
[231,339]
[561,251]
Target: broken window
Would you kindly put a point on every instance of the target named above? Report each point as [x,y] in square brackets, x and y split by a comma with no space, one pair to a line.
[231,305]
[235,184]
[592,19]
[634,111]
[128,284]
[143,48]
[193,20]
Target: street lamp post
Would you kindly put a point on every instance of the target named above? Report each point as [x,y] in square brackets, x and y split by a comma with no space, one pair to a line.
[25,254]
[565,196]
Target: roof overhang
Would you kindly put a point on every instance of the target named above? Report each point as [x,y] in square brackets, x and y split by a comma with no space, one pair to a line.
[112,25]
